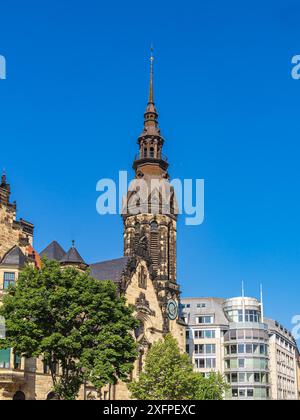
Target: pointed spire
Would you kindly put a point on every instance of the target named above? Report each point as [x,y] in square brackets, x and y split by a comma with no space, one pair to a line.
[151,100]
[151,116]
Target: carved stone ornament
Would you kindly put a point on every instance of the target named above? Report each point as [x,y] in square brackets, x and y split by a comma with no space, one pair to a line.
[143,305]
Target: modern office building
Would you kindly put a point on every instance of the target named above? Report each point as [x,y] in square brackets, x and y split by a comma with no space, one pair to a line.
[283,362]
[232,337]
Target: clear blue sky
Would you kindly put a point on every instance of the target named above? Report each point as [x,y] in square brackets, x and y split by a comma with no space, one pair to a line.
[72,107]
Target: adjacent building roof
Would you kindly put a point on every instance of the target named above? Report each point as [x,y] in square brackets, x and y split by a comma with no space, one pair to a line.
[53,252]
[14,257]
[109,270]
[72,257]
[205,306]
[35,256]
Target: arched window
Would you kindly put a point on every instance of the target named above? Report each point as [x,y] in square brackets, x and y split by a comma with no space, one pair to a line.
[154,226]
[139,330]
[19,396]
[154,244]
[145,152]
[137,234]
[152,152]
[51,396]
[142,278]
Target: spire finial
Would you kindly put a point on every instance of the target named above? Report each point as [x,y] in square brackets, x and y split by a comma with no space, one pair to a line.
[151,75]
[73,243]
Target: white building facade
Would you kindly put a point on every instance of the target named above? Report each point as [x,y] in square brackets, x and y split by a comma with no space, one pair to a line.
[232,337]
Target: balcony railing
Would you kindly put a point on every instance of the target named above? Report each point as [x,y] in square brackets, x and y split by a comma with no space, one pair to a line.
[148,156]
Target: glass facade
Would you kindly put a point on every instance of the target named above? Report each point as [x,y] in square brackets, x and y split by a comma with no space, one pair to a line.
[246,350]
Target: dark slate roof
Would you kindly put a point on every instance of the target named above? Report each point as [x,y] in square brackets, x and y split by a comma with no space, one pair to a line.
[109,270]
[53,252]
[72,256]
[14,257]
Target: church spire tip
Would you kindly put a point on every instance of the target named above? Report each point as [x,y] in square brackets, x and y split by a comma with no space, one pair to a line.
[151,100]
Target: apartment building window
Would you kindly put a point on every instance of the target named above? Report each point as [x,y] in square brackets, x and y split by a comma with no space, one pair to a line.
[205,348]
[205,334]
[210,363]
[205,363]
[207,319]
[187,348]
[187,334]
[8,280]
[241,363]
[201,305]
[251,315]
[241,348]
[5,359]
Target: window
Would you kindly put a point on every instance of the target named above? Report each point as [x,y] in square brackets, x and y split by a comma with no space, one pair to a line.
[248,348]
[201,305]
[200,363]
[249,392]
[187,334]
[17,362]
[241,363]
[187,348]
[210,363]
[152,152]
[240,335]
[235,392]
[205,348]
[256,377]
[205,319]
[205,333]
[241,348]
[234,377]
[233,349]
[262,349]
[233,335]
[210,348]
[205,363]
[9,280]
[210,334]
[55,368]
[241,377]
[242,393]
[5,359]
[199,348]
[142,278]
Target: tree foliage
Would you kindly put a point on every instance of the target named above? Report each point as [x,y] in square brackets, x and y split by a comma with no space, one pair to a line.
[71,321]
[168,375]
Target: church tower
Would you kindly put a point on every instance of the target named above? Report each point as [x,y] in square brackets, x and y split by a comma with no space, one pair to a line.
[150,230]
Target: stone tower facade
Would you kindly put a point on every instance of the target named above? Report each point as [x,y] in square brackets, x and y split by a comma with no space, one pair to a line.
[13,232]
[150,216]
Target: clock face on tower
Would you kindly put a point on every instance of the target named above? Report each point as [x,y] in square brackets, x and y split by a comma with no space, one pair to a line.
[172,309]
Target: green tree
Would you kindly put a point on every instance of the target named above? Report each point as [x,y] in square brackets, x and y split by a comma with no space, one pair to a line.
[71,321]
[168,375]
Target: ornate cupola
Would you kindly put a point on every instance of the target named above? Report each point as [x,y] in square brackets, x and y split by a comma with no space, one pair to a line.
[150,158]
